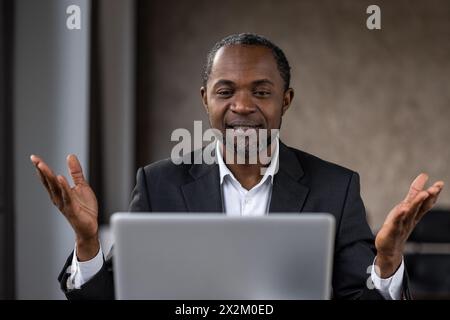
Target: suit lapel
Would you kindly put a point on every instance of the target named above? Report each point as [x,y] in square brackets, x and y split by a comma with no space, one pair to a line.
[288,194]
[204,193]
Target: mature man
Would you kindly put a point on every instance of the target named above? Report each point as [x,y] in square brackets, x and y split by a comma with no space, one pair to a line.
[246,86]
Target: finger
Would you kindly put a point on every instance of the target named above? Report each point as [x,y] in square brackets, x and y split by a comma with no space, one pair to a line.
[65,190]
[434,192]
[427,205]
[412,208]
[53,186]
[43,180]
[46,174]
[75,170]
[416,187]
[439,184]
[435,188]
[35,159]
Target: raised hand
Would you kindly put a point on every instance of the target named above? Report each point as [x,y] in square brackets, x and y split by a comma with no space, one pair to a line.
[78,203]
[401,221]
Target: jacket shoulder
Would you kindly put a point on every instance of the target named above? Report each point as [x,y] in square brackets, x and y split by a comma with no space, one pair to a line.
[166,169]
[313,165]
[172,169]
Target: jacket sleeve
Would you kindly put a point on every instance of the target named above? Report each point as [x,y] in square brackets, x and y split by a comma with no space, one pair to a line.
[101,286]
[355,250]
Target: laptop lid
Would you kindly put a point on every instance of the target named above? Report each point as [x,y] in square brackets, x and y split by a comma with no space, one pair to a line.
[211,256]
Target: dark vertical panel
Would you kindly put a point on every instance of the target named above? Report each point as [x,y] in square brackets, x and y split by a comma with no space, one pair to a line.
[143,85]
[7,256]
[2,156]
[2,114]
[95,116]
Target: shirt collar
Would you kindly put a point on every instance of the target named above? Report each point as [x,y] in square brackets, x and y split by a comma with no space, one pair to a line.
[271,170]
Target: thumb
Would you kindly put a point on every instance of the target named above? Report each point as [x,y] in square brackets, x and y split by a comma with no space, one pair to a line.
[75,170]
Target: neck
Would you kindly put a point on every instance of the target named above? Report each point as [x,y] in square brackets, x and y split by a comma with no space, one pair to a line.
[248,175]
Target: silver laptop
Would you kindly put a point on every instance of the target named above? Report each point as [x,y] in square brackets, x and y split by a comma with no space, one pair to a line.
[212,256]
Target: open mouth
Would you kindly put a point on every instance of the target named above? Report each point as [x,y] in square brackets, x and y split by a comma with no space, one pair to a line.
[242,126]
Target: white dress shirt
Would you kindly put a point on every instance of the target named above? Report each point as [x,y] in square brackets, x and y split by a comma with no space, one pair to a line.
[238,201]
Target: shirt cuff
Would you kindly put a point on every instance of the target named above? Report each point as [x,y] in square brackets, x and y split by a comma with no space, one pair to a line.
[390,288]
[82,272]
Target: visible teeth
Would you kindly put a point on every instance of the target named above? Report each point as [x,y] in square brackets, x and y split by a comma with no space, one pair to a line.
[242,129]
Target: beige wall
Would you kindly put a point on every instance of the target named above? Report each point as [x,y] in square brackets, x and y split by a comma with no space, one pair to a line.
[377,102]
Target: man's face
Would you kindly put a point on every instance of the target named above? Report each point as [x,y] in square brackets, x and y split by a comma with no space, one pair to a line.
[245,90]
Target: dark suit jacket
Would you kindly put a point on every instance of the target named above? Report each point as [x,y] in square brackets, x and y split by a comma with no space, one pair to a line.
[304,183]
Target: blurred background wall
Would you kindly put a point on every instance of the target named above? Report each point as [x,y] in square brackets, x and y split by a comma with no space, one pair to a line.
[51,95]
[377,102]
[73,93]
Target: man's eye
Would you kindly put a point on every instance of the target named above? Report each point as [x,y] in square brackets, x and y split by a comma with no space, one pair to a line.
[261,93]
[224,93]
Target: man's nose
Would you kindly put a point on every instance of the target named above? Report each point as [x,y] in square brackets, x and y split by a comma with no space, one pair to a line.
[243,104]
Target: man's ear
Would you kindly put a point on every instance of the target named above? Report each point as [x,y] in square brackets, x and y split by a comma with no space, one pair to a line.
[204,98]
[287,100]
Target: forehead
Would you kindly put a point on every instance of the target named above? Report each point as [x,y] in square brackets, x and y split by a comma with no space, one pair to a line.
[242,63]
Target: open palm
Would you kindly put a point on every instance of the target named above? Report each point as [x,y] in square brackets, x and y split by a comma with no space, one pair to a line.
[401,221]
[78,203]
